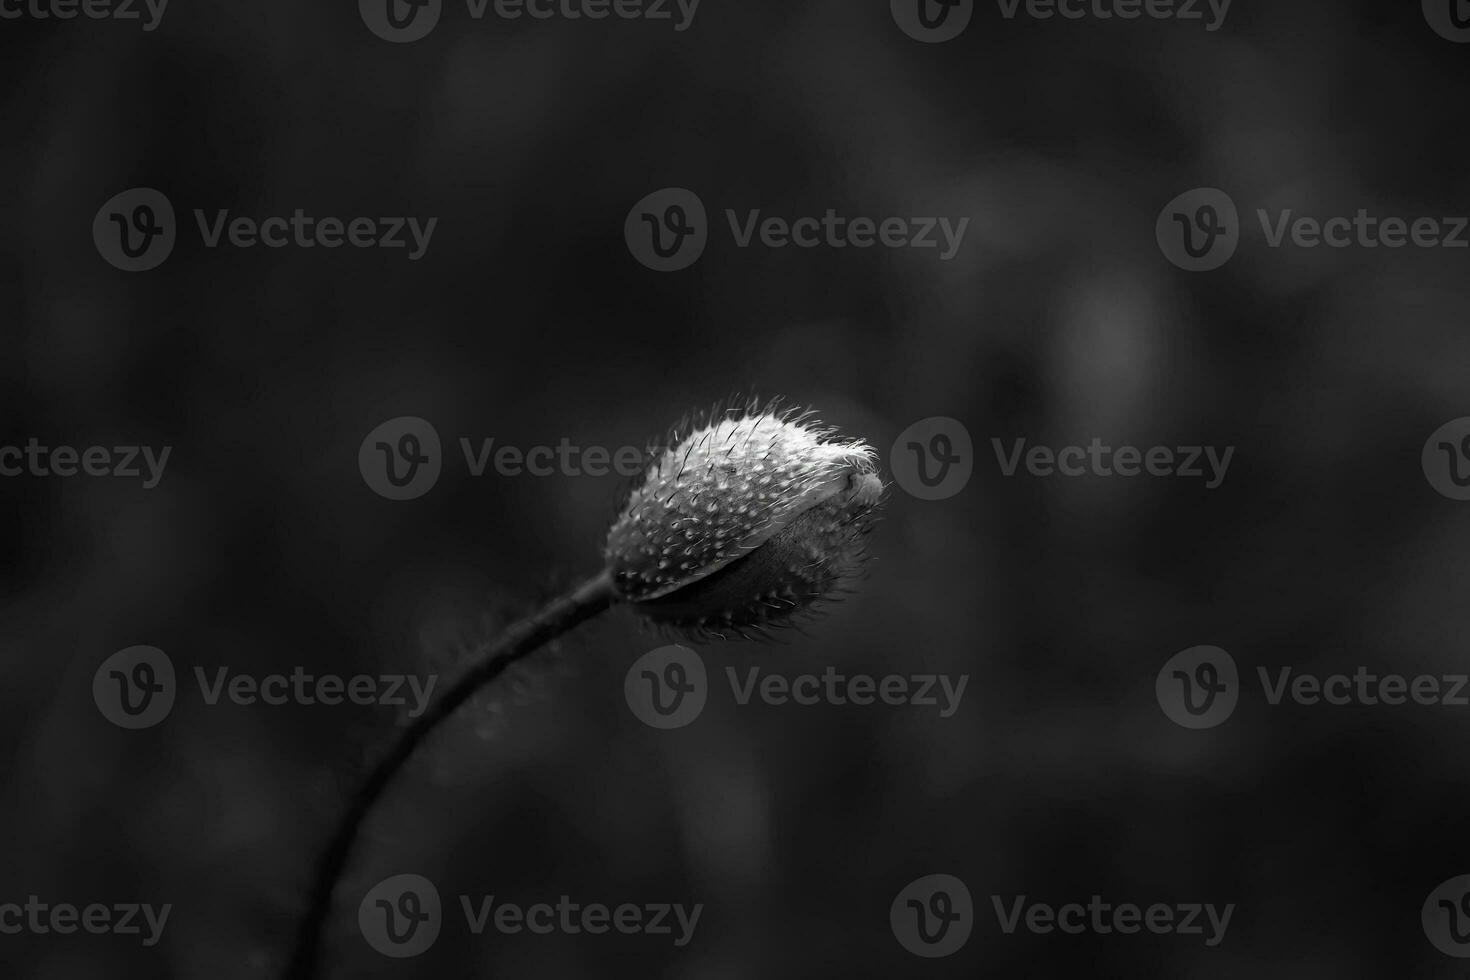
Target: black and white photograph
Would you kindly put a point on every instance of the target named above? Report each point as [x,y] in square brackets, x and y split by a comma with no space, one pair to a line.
[734,489]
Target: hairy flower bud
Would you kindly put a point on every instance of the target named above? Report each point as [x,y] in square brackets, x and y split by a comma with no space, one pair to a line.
[744,521]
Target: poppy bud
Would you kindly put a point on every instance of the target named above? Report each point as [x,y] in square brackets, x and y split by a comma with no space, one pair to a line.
[743,522]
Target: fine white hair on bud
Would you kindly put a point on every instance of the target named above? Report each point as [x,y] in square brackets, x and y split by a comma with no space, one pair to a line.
[748,517]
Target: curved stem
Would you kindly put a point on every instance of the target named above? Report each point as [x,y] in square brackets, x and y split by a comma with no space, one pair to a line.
[526,636]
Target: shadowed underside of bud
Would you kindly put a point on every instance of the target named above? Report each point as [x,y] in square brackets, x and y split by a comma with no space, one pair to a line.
[745,520]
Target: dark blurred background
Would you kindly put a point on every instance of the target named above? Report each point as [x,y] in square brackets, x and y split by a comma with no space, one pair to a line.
[528,320]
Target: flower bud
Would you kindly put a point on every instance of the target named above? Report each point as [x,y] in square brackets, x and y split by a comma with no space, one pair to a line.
[743,522]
